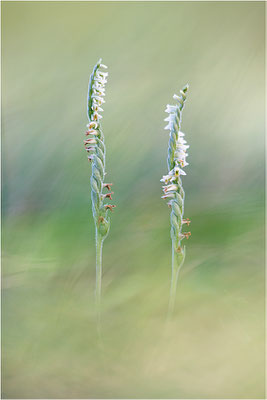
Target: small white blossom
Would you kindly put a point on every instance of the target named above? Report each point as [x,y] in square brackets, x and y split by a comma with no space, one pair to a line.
[96,107]
[101,75]
[181,141]
[98,92]
[168,196]
[98,100]
[167,178]
[170,188]
[90,141]
[98,85]
[96,116]
[177,171]
[182,162]
[175,97]
[170,108]
[170,118]
[92,124]
[169,126]
[100,80]
[92,132]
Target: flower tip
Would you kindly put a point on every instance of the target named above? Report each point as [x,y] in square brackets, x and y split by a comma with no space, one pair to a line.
[92,125]
[107,185]
[186,221]
[109,207]
[108,195]
[168,127]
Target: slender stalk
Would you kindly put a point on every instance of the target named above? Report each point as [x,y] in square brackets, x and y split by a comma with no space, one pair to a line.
[176,266]
[99,248]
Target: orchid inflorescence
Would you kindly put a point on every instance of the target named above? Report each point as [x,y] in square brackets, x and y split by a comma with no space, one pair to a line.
[173,189]
[177,153]
[95,148]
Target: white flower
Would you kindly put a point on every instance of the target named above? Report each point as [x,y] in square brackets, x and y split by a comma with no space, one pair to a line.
[102,75]
[170,188]
[170,108]
[182,163]
[98,85]
[177,98]
[183,147]
[96,116]
[171,118]
[179,155]
[95,107]
[98,100]
[178,171]
[92,132]
[96,97]
[167,178]
[90,141]
[100,80]
[181,141]
[103,66]
[168,195]
[92,124]
[179,152]
[169,126]
[99,92]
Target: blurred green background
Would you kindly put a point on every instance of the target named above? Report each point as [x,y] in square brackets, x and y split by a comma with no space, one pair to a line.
[214,346]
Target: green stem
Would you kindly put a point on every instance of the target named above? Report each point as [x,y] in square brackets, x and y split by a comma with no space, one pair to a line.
[176,266]
[99,247]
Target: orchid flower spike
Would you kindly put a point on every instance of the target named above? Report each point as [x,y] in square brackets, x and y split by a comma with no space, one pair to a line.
[96,151]
[173,189]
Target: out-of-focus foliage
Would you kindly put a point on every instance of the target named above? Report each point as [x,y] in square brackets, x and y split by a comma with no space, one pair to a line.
[214,347]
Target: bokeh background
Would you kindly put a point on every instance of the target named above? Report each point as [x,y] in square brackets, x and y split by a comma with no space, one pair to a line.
[214,346]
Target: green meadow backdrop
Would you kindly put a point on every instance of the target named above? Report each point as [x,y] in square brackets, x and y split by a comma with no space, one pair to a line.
[214,346]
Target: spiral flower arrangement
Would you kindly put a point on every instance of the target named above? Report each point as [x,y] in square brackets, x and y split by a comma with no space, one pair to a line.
[173,189]
[95,148]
